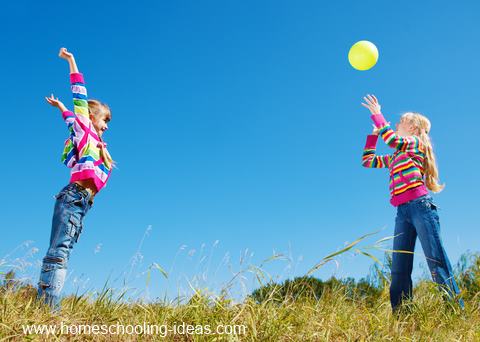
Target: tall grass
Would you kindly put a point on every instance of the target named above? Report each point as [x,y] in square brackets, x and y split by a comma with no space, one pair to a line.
[343,310]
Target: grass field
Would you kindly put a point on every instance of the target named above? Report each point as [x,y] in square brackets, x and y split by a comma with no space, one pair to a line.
[335,316]
[301,309]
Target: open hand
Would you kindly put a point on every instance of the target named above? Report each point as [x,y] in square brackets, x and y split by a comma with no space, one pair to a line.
[55,102]
[372,104]
[63,53]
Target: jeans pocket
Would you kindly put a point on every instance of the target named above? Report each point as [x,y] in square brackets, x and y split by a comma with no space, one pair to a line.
[430,204]
[427,202]
[74,227]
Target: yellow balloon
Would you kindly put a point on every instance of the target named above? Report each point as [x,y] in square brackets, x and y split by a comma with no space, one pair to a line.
[363,55]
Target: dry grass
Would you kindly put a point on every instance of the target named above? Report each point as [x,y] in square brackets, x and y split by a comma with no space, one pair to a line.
[334,315]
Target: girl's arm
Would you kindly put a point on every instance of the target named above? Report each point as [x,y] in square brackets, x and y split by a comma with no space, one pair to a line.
[68,56]
[369,159]
[67,115]
[80,99]
[70,150]
[408,143]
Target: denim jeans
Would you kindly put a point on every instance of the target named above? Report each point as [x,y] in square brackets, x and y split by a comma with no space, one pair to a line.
[419,217]
[72,203]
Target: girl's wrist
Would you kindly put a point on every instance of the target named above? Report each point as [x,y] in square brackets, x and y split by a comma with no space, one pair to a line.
[73,66]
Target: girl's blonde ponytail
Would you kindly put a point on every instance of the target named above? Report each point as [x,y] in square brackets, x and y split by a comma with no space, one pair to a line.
[430,165]
[107,158]
[422,125]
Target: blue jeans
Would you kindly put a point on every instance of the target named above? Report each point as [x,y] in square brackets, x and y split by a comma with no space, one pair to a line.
[72,203]
[419,217]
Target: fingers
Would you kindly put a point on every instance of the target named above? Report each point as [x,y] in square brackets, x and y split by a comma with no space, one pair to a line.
[52,100]
[369,106]
[372,100]
[371,103]
[63,53]
[369,100]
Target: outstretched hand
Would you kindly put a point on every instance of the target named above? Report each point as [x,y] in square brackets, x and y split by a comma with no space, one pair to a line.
[55,102]
[63,53]
[372,104]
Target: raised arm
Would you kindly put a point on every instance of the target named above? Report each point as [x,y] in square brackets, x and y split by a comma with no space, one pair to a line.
[79,92]
[369,159]
[67,115]
[407,143]
[68,56]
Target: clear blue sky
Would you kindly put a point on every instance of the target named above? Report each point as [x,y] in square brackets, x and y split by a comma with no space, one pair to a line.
[236,126]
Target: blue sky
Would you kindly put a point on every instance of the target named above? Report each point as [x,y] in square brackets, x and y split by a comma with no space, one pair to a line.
[237,129]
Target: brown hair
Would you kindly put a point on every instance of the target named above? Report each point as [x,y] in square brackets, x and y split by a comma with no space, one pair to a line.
[96,108]
[422,127]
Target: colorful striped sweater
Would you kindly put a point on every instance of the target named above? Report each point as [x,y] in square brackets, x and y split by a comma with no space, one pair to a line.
[82,148]
[405,164]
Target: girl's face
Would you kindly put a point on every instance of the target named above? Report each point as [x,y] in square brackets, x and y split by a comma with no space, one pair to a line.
[100,121]
[404,129]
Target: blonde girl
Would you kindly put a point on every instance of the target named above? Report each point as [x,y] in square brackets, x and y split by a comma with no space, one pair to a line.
[413,172]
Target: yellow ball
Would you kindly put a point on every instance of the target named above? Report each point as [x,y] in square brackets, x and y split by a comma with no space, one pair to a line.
[363,55]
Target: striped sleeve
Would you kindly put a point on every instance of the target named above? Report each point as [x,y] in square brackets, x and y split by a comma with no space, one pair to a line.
[406,144]
[69,155]
[76,120]
[369,159]
[79,92]
[69,118]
